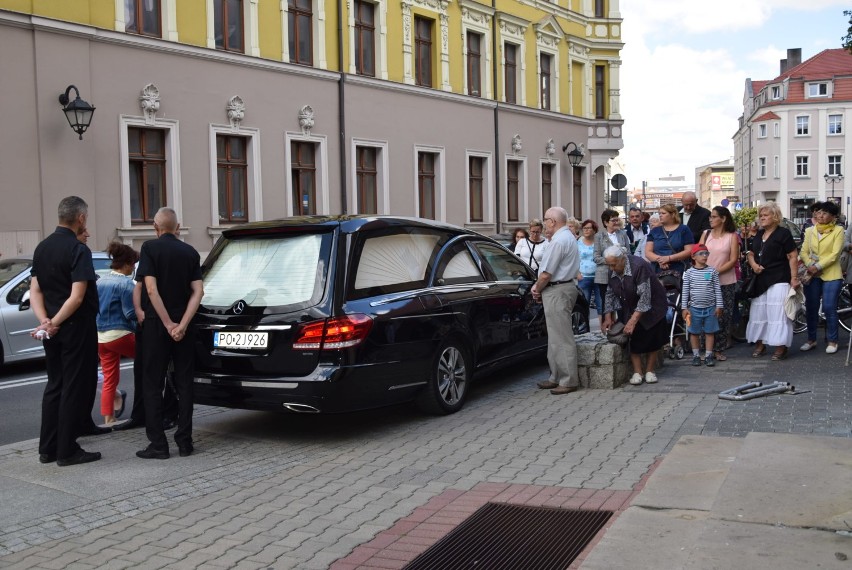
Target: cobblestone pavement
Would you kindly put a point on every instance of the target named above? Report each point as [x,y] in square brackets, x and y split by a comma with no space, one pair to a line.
[273,491]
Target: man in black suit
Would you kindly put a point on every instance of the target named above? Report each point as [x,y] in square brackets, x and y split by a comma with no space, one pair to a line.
[171,272]
[696,218]
[64,299]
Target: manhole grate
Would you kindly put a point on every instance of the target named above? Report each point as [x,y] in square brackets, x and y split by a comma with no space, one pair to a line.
[513,537]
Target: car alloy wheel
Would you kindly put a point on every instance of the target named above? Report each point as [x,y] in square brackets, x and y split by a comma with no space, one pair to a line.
[447,389]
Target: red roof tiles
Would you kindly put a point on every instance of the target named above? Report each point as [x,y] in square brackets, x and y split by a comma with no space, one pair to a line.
[767,117]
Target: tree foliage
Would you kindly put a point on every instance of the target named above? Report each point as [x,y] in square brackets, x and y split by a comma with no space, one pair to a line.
[745,216]
[847,39]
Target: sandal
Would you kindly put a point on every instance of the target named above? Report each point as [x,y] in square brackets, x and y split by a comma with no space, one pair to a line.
[720,356]
[780,354]
[759,350]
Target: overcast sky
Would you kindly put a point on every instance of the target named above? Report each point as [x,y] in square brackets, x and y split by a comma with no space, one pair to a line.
[685,63]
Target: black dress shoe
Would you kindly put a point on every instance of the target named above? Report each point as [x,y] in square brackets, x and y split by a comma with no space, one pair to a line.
[96,430]
[120,410]
[82,456]
[129,424]
[151,453]
[185,450]
[47,457]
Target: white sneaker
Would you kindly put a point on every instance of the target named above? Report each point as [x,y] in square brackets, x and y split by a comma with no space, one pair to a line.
[636,379]
[831,349]
[807,346]
[650,378]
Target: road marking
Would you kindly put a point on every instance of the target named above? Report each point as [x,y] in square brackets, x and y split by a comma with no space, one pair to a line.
[40,379]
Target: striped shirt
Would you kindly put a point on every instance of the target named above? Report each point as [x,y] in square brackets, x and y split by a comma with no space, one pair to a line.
[701,288]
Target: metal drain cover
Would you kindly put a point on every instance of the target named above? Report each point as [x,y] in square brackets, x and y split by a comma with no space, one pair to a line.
[514,537]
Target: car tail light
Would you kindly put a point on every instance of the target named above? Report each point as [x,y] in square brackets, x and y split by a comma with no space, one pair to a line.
[333,334]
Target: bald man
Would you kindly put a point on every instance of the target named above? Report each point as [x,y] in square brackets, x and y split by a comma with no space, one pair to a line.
[696,218]
[170,271]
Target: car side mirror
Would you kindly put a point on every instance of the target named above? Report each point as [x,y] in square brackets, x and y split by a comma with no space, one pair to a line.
[25,302]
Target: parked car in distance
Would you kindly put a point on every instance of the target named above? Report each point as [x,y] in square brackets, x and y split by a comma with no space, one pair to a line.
[798,234]
[341,313]
[16,316]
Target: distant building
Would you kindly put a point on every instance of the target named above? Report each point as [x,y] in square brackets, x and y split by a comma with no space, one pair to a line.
[715,185]
[791,141]
[664,190]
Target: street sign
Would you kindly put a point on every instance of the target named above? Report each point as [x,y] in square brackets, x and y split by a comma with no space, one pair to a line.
[618,181]
[738,206]
[725,202]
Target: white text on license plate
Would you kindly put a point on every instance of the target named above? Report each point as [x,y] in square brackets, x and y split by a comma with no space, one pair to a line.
[240,339]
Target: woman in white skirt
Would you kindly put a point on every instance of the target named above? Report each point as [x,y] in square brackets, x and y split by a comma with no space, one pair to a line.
[774,259]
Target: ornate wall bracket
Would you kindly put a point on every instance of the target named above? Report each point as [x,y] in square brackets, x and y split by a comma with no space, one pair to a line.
[236,110]
[306,119]
[517,144]
[149,101]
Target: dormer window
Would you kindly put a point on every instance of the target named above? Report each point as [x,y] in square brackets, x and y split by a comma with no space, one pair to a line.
[817,89]
[775,92]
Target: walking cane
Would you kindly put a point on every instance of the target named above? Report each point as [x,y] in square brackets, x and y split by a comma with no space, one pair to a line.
[849,348]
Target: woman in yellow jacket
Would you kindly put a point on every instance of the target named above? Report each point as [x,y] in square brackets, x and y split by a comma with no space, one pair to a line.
[821,255]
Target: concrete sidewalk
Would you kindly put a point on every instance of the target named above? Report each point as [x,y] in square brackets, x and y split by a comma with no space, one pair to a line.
[272,491]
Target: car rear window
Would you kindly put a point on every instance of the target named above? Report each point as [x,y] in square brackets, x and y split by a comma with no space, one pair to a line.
[10,268]
[267,272]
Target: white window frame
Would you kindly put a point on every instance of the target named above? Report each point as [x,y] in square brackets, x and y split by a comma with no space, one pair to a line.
[812,90]
[440,181]
[555,183]
[776,167]
[761,131]
[522,190]
[173,187]
[803,161]
[437,10]
[776,129]
[323,199]
[548,39]
[382,174]
[254,191]
[380,50]
[487,186]
[251,41]
[317,32]
[839,125]
[834,167]
[168,12]
[477,18]
[807,125]
[513,30]
[761,167]
[775,92]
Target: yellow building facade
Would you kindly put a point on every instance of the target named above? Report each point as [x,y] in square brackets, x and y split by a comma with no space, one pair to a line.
[500,86]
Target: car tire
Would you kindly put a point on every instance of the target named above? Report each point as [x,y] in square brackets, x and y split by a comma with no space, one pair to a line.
[449,380]
[579,322]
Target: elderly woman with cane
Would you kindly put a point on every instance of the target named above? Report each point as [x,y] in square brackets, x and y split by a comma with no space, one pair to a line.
[637,295]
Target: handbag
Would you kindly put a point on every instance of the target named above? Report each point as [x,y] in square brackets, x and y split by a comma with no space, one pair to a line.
[793,302]
[750,286]
[616,335]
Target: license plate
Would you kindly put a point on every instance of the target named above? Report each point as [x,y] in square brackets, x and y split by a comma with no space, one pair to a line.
[246,340]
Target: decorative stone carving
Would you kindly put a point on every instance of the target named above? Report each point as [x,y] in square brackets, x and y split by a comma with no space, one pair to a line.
[236,109]
[550,148]
[149,101]
[306,119]
[517,144]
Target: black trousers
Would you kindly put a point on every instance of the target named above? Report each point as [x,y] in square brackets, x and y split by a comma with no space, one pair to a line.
[170,406]
[72,380]
[159,348]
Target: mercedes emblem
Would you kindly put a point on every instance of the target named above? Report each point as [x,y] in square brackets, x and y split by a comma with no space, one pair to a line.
[239,307]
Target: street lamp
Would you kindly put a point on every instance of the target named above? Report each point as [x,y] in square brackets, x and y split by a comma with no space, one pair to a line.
[78,112]
[575,155]
[833,178]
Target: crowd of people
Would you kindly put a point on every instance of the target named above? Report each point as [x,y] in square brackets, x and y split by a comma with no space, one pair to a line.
[620,269]
[81,318]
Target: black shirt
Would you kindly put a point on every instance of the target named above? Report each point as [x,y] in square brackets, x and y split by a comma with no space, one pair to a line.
[175,265]
[772,255]
[60,261]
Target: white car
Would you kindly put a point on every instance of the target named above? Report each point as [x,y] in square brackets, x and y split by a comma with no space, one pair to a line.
[16,315]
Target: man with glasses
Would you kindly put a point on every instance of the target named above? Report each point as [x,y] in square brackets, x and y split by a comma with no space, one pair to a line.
[531,249]
[556,287]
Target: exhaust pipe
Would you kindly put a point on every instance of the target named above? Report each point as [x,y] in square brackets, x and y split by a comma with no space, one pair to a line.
[301,408]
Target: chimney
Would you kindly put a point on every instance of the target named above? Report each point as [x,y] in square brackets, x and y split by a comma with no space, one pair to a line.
[794,58]
[783,66]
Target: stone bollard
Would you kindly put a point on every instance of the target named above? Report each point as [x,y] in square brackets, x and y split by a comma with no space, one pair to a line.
[602,364]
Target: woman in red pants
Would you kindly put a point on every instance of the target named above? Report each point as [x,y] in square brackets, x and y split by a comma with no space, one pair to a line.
[116,326]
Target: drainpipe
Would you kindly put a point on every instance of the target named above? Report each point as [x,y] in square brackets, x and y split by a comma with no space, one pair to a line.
[494,70]
[341,109]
